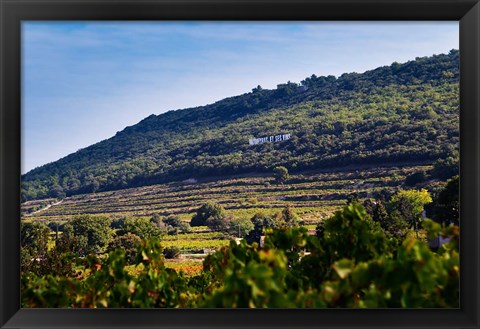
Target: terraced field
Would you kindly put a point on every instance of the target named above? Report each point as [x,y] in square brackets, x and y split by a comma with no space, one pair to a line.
[313,195]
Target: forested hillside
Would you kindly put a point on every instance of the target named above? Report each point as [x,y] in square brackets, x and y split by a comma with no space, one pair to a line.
[400,113]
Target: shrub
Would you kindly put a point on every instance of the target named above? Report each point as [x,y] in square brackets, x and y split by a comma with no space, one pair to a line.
[171,252]
[415,178]
[446,168]
[175,224]
[118,223]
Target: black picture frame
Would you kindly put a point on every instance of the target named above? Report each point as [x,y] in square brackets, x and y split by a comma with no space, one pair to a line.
[12,12]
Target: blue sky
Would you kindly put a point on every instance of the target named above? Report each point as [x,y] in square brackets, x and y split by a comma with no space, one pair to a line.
[84,81]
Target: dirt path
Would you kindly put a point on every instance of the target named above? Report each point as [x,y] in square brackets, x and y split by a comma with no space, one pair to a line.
[47,207]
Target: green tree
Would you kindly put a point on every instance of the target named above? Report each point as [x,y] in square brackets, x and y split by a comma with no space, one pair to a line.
[351,233]
[219,223]
[118,223]
[173,221]
[410,204]
[288,217]
[34,235]
[281,174]
[57,258]
[445,207]
[129,243]
[91,233]
[56,191]
[352,198]
[175,224]
[446,168]
[34,238]
[240,227]
[142,227]
[260,223]
[415,178]
[158,221]
[395,226]
[392,224]
[209,210]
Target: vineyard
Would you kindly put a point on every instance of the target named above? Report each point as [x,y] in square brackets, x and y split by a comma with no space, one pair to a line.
[354,267]
[313,196]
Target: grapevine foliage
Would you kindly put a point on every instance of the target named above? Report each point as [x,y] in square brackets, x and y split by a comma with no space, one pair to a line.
[349,263]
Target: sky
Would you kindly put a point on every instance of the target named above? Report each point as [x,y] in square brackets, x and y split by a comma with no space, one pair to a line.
[82,82]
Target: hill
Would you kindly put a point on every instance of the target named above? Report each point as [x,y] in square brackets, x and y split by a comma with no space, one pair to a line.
[399,113]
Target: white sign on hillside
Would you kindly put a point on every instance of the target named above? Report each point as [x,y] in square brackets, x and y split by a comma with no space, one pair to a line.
[275,138]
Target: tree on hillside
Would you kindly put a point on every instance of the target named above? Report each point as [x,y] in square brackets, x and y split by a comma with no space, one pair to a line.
[260,223]
[352,198]
[287,217]
[171,252]
[240,227]
[445,207]
[415,178]
[410,204]
[392,224]
[281,174]
[209,210]
[219,223]
[92,233]
[446,168]
[350,233]
[257,89]
[377,210]
[142,227]
[175,224]
[34,238]
[396,226]
[127,242]
[173,221]
[34,235]
[57,191]
[286,89]
[157,220]
[118,223]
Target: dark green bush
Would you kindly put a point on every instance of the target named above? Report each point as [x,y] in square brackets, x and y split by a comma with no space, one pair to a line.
[171,252]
